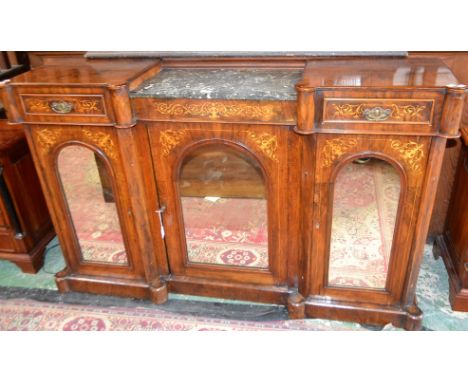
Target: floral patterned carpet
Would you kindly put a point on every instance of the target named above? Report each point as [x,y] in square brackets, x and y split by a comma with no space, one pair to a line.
[27,314]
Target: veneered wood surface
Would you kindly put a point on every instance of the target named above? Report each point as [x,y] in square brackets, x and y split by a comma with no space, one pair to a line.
[361,73]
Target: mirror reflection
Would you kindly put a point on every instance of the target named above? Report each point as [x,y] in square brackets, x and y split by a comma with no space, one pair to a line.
[365,204]
[88,190]
[223,197]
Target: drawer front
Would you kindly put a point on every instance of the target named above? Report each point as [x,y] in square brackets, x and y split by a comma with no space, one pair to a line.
[65,108]
[59,104]
[366,110]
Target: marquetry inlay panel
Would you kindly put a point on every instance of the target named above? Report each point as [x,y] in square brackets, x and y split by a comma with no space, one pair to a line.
[335,148]
[266,142]
[169,139]
[412,153]
[277,112]
[378,111]
[63,105]
[47,138]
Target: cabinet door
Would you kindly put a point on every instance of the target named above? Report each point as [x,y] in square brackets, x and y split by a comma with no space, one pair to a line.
[367,193]
[86,188]
[225,214]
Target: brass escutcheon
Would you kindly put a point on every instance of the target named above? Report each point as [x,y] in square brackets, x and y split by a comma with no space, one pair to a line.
[61,107]
[377,114]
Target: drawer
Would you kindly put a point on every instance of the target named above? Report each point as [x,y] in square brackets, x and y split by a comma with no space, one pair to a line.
[72,106]
[368,110]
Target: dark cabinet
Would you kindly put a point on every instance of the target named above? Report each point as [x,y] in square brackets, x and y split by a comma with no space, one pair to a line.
[453,244]
[25,225]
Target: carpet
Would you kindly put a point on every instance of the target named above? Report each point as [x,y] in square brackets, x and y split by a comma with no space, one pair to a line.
[21,314]
[28,314]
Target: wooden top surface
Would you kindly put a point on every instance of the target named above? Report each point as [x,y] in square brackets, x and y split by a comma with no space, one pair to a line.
[357,72]
[388,72]
[105,72]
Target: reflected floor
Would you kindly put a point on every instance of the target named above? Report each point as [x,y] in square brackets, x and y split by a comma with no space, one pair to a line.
[95,219]
[226,231]
[364,211]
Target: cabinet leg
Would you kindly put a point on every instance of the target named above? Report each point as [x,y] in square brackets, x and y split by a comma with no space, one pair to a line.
[414,317]
[159,293]
[296,306]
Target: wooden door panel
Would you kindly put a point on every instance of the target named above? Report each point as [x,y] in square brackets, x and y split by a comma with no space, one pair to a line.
[407,157]
[227,172]
[72,161]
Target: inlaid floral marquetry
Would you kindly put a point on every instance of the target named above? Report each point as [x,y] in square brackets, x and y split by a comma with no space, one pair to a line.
[381,111]
[215,109]
[169,139]
[266,142]
[92,105]
[47,138]
[411,152]
[335,148]
[102,140]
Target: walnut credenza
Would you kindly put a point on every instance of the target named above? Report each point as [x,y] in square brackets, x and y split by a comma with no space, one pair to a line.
[294,181]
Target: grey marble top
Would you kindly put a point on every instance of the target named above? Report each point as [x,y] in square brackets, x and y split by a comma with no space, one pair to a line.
[246,84]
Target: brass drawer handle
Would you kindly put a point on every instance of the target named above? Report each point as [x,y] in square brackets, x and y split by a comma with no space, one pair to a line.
[377,113]
[61,107]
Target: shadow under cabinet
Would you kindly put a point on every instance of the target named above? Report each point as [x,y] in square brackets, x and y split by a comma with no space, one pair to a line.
[301,182]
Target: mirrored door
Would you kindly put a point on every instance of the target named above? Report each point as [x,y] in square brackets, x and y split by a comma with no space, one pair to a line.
[220,188]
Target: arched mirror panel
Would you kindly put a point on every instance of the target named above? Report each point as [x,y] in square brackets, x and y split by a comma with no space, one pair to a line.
[87,185]
[224,204]
[365,205]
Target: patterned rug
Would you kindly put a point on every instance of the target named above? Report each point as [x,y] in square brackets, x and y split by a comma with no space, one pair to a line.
[31,315]
[27,314]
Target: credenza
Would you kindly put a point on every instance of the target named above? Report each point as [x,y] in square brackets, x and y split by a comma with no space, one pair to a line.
[301,181]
